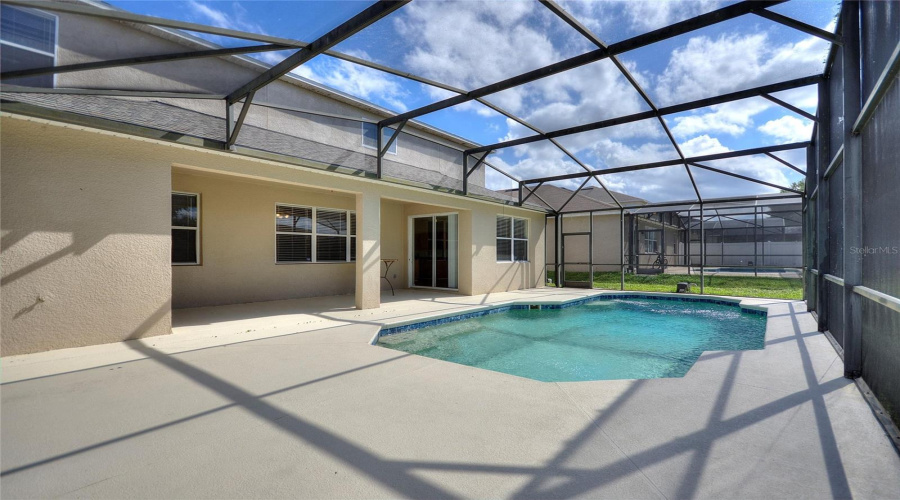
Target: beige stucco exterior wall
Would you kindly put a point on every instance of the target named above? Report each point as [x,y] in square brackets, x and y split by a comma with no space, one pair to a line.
[237,244]
[488,275]
[86,226]
[85,241]
[394,242]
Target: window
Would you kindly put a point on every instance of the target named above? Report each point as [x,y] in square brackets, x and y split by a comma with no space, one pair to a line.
[650,241]
[370,137]
[27,41]
[185,228]
[512,239]
[309,234]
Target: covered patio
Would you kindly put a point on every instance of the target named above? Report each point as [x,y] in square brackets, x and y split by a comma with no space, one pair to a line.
[289,398]
[276,396]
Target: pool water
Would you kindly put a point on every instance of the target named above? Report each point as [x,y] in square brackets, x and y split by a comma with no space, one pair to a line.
[601,340]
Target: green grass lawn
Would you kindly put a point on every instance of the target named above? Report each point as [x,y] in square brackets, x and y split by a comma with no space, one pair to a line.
[738,286]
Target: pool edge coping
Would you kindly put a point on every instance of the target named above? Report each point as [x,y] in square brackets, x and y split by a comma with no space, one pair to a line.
[737,301]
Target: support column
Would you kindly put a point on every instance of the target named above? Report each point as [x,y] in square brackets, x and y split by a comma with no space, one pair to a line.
[823,159]
[368,251]
[622,249]
[561,257]
[379,158]
[465,178]
[808,223]
[591,249]
[852,172]
[702,252]
[755,243]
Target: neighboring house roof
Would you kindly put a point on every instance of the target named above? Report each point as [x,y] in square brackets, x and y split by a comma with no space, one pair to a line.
[589,198]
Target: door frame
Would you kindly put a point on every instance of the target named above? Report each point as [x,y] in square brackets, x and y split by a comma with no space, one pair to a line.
[411,252]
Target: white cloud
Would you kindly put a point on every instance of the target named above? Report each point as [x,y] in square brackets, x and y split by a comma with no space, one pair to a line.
[732,118]
[237,20]
[705,67]
[646,15]
[617,154]
[353,79]
[472,44]
[702,145]
[356,80]
[788,129]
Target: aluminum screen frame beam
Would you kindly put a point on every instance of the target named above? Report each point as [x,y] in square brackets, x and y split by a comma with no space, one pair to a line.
[668,163]
[673,30]
[746,178]
[348,28]
[135,61]
[667,110]
[786,163]
[559,146]
[109,92]
[787,105]
[587,33]
[800,26]
[884,82]
[235,128]
[466,171]
[852,265]
[503,172]
[121,15]
[709,201]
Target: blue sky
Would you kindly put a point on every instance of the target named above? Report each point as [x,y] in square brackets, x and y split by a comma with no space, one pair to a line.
[471,43]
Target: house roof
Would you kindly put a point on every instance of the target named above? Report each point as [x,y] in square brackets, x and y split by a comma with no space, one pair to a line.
[196,43]
[589,198]
[173,122]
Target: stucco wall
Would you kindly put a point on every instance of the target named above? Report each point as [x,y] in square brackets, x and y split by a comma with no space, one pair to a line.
[86,226]
[237,246]
[394,242]
[85,252]
[488,275]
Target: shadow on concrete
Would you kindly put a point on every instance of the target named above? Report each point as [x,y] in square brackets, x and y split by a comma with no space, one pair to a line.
[554,479]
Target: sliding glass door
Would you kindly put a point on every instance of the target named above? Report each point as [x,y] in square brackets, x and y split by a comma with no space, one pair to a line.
[435,251]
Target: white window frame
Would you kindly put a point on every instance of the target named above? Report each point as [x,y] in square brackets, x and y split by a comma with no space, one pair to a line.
[351,237]
[195,229]
[512,239]
[55,53]
[654,239]
[391,151]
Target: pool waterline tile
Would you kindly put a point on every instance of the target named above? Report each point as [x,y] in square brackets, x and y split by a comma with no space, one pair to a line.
[590,344]
[390,330]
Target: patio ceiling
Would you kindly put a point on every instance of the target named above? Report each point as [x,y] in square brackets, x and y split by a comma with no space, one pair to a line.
[655,113]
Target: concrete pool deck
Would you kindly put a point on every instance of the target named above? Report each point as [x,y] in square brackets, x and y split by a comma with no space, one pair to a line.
[288,399]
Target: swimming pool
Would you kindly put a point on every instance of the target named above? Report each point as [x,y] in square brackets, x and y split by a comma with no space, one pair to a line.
[604,338]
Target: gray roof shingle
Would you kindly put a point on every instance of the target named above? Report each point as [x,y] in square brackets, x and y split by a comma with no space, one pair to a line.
[174,119]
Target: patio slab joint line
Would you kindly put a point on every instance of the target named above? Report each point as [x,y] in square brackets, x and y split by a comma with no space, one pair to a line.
[611,440]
